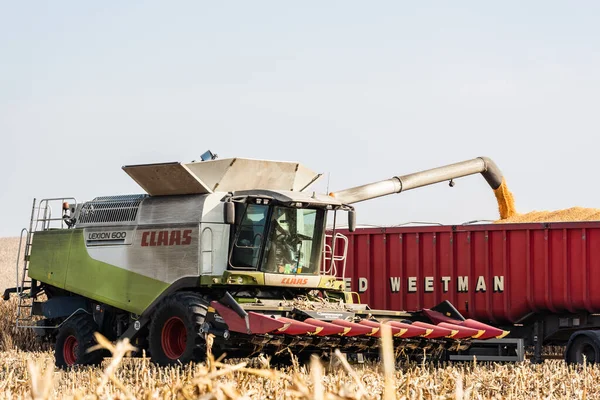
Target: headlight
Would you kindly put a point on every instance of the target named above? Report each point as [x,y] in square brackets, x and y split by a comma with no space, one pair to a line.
[235,279]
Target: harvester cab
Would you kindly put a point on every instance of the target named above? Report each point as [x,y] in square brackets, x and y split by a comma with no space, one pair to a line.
[237,248]
[280,232]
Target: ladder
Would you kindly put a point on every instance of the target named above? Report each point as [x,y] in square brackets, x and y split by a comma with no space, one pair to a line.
[25,302]
[41,220]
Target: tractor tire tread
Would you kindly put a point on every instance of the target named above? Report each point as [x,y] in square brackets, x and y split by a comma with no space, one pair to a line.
[83,327]
[196,307]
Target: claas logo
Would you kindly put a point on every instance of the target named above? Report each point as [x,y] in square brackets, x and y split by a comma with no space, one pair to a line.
[167,238]
[294,281]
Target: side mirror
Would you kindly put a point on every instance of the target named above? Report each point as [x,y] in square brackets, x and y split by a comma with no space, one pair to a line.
[229,212]
[351,220]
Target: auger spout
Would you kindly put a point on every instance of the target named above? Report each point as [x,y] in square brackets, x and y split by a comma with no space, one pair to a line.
[397,184]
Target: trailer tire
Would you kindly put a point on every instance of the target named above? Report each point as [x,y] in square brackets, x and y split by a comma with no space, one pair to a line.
[74,337]
[177,319]
[585,343]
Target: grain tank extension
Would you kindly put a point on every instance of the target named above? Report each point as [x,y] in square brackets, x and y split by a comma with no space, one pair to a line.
[236,248]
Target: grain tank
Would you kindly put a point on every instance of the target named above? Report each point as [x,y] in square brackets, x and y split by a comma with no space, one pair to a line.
[235,248]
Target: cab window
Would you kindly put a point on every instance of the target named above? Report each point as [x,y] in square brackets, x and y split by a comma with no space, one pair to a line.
[249,237]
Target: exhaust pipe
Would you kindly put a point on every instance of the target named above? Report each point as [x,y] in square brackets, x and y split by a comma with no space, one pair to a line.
[397,184]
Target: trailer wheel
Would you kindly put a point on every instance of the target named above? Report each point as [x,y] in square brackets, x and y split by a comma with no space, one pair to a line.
[174,333]
[74,337]
[584,346]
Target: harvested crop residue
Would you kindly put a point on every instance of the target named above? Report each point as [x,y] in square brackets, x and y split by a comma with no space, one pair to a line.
[506,201]
[569,214]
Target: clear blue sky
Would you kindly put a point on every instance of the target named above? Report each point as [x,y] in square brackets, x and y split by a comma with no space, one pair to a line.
[358,90]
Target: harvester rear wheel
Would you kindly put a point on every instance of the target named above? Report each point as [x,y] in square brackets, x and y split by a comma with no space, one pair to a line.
[175,329]
[74,337]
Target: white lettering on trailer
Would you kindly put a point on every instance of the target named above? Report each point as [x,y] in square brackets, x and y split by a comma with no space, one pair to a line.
[363,285]
[348,284]
[480,285]
[429,284]
[463,283]
[394,284]
[499,284]
[412,284]
[445,281]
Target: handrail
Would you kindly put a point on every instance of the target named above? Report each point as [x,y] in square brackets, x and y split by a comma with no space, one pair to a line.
[19,285]
[46,218]
[329,256]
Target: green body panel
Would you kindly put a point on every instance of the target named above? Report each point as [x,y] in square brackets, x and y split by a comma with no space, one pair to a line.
[60,258]
[50,256]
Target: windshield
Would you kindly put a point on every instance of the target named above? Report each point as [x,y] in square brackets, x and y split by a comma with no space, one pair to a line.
[295,241]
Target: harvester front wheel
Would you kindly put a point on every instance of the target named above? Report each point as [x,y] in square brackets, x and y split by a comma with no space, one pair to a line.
[74,337]
[175,329]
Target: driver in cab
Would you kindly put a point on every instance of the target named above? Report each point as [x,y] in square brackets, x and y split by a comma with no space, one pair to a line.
[284,254]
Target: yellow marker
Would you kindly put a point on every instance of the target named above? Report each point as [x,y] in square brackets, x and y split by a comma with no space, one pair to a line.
[452,334]
[504,333]
[427,333]
[284,327]
[373,331]
[210,309]
[346,330]
[479,333]
[402,332]
[319,329]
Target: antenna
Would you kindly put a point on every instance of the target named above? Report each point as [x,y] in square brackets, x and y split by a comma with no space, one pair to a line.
[328,176]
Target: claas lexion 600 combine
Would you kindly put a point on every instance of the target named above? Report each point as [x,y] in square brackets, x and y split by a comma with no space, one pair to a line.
[237,248]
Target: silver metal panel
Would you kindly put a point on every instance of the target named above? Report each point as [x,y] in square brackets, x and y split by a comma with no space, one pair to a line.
[166,179]
[231,174]
[225,175]
[172,210]
[166,243]
[217,254]
[149,255]
[213,209]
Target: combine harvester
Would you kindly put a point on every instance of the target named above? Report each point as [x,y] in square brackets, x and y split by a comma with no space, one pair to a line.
[236,248]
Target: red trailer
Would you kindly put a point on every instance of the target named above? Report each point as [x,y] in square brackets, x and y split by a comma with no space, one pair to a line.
[537,280]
